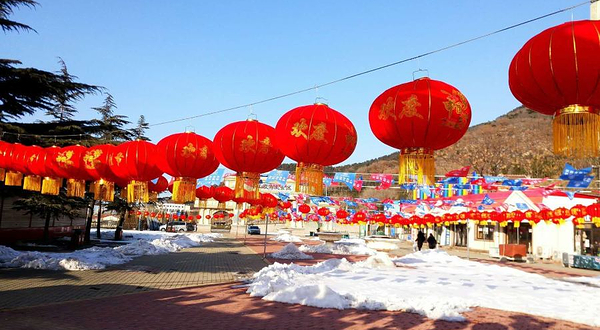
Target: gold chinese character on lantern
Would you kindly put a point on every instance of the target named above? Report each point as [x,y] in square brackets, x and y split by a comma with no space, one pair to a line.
[248,144]
[299,128]
[319,131]
[265,145]
[387,109]
[409,107]
[64,158]
[90,159]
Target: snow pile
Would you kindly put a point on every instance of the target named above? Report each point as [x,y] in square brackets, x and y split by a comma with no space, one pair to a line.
[284,236]
[431,283]
[290,252]
[343,246]
[101,257]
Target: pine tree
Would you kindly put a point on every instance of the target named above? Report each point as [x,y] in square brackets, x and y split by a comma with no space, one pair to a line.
[110,124]
[140,131]
[6,9]
[63,108]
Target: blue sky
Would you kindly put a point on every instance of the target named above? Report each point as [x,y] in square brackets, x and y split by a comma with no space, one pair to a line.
[174,59]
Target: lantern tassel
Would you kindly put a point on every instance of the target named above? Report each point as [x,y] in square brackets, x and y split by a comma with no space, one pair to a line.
[13,178]
[575,131]
[75,188]
[417,163]
[247,181]
[153,196]
[32,183]
[2,174]
[137,191]
[309,179]
[51,186]
[184,190]
[103,190]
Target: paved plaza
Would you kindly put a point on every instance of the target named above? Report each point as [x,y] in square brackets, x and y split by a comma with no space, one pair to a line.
[198,288]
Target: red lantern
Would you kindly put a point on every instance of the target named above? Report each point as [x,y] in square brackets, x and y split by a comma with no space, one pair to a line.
[97,165]
[205,192]
[159,216]
[268,200]
[208,217]
[158,185]
[341,214]
[419,117]
[223,195]
[561,213]
[153,214]
[36,168]
[13,176]
[135,161]
[167,216]
[231,215]
[360,217]
[556,73]
[138,213]
[186,157]
[323,211]
[578,212]
[304,208]
[286,205]
[247,147]
[68,164]
[315,136]
[428,218]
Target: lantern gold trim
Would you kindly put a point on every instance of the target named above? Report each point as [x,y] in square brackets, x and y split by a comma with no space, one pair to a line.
[51,186]
[416,163]
[576,130]
[32,183]
[184,190]
[13,178]
[309,179]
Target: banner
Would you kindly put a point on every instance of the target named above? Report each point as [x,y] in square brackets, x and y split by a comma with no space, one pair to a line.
[583,183]
[385,180]
[358,185]
[346,178]
[284,197]
[487,200]
[327,181]
[492,179]
[278,176]
[214,179]
[571,173]
[462,172]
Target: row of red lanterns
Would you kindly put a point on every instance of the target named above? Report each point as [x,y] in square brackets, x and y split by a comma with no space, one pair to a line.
[180,217]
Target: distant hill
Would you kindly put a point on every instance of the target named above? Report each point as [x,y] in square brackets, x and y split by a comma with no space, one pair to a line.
[517,143]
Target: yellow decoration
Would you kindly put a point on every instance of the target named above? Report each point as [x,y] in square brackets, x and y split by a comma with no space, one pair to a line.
[517,224]
[152,196]
[184,190]
[446,223]
[13,178]
[247,181]
[2,174]
[75,188]
[575,131]
[103,190]
[137,192]
[417,165]
[51,186]
[32,183]
[309,179]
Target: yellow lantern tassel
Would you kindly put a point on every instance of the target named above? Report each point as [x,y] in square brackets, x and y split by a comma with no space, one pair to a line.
[309,179]
[184,190]
[417,165]
[103,190]
[152,196]
[2,174]
[13,178]
[32,183]
[517,224]
[137,191]
[247,181]
[575,130]
[51,186]
[75,188]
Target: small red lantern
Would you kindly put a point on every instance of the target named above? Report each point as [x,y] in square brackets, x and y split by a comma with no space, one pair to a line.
[341,214]
[360,216]
[153,214]
[223,195]
[268,200]
[286,205]
[323,211]
[208,216]
[304,208]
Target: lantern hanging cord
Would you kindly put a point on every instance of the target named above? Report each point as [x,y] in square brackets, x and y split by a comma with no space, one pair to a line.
[379,67]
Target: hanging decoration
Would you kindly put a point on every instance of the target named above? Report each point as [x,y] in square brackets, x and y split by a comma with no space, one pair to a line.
[12,177]
[223,195]
[556,73]
[419,117]
[248,148]
[157,186]
[135,162]
[187,157]
[36,166]
[96,162]
[69,165]
[315,136]
[52,182]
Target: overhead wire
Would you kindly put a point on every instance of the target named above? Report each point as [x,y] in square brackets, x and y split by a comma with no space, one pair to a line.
[376,68]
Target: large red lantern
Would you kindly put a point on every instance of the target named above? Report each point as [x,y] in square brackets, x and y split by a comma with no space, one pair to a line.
[315,136]
[68,164]
[4,146]
[268,200]
[19,160]
[12,177]
[36,168]
[247,147]
[135,161]
[223,195]
[187,157]
[556,73]
[97,165]
[157,186]
[419,117]
[52,182]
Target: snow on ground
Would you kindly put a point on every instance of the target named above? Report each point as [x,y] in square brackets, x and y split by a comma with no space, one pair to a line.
[344,246]
[431,283]
[290,252]
[285,236]
[595,281]
[139,244]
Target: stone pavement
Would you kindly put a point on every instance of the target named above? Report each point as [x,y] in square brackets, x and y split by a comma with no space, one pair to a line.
[225,260]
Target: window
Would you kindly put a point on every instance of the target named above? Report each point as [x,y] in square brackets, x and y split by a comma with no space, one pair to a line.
[587,240]
[485,233]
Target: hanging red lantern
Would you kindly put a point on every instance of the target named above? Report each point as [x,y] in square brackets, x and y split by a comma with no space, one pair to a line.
[96,164]
[561,213]
[157,186]
[247,147]
[208,216]
[231,215]
[135,161]
[68,164]
[167,216]
[186,157]
[579,212]
[153,214]
[315,136]
[138,213]
[428,219]
[15,163]
[304,208]
[360,217]
[223,195]
[556,73]
[286,205]
[419,117]
[36,168]
[341,214]
[4,160]
[268,200]
[323,211]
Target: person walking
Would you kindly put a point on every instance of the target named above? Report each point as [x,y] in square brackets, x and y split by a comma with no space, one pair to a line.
[432,241]
[420,240]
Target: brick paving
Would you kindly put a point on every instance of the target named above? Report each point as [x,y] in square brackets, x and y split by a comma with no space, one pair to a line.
[171,301]
[218,262]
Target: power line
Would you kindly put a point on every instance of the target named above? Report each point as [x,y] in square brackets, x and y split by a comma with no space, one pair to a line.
[376,68]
